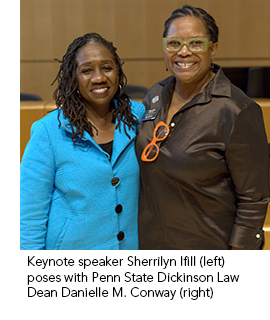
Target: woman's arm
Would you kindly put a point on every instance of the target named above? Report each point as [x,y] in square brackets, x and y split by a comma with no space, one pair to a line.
[248,161]
[37,181]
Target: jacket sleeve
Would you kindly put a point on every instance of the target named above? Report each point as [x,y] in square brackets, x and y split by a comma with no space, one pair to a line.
[248,161]
[36,188]
[138,110]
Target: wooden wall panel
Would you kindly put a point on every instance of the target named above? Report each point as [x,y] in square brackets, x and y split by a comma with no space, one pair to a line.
[143,72]
[37,77]
[135,27]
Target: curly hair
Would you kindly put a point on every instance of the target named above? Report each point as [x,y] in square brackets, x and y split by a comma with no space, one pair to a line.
[187,10]
[67,96]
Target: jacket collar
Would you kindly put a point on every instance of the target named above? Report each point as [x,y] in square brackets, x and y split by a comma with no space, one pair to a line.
[120,141]
[221,85]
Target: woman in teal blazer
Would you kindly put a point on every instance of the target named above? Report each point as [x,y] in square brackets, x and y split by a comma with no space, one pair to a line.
[79,172]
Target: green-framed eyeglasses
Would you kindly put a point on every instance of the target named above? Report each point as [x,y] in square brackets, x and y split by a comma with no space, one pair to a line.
[193,44]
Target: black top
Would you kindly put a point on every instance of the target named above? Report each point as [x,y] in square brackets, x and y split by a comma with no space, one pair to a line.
[107,147]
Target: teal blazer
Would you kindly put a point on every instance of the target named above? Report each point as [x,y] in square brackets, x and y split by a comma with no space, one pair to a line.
[74,197]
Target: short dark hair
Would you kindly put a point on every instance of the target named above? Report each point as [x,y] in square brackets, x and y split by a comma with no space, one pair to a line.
[66,94]
[187,10]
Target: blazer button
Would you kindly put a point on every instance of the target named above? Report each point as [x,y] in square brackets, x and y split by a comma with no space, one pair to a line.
[115,181]
[118,208]
[120,235]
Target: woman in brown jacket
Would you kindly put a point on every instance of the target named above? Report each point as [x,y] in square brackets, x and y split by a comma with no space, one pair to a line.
[202,149]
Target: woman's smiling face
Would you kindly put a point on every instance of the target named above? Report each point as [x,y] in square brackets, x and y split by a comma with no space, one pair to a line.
[188,67]
[97,75]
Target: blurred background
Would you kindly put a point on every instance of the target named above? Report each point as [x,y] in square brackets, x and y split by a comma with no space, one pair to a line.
[135,27]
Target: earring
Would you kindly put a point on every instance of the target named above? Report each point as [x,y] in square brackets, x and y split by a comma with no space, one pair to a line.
[79,94]
[120,87]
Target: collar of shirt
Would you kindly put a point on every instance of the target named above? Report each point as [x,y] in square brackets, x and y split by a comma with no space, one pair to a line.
[218,86]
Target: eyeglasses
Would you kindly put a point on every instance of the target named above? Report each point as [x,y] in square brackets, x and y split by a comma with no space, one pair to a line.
[160,133]
[193,44]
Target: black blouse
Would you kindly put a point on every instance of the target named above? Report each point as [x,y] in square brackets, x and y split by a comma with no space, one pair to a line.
[107,147]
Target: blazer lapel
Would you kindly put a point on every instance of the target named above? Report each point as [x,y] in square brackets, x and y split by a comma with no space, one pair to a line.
[121,141]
